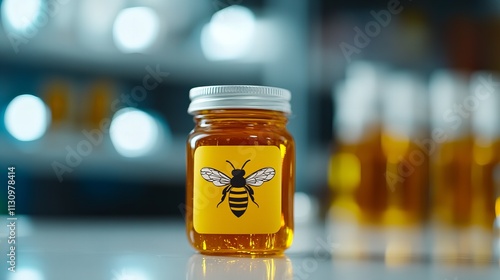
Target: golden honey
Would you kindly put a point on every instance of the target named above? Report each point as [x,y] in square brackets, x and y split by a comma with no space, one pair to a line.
[240,171]
[463,168]
[357,179]
[452,182]
[378,172]
[407,190]
[485,162]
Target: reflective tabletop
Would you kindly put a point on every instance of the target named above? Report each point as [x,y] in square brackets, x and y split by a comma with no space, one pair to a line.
[146,249]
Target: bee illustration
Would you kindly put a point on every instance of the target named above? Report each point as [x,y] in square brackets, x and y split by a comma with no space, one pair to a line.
[238,187]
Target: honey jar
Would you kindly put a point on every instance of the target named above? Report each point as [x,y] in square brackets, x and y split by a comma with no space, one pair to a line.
[240,170]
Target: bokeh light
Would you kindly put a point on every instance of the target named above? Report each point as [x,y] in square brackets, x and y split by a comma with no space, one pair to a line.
[133,132]
[135,29]
[130,274]
[27,117]
[26,274]
[229,34]
[304,208]
[19,15]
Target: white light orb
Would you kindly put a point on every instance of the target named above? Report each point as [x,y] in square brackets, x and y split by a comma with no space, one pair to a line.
[303,208]
[19,15]
[229,34]
[26,274]
[133,132]
[135,29]
[27,117]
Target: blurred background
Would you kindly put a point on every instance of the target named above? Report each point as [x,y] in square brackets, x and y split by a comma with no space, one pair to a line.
[396,108]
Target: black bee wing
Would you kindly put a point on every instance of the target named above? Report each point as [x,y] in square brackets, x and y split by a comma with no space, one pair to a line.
[260,176]
[215,176]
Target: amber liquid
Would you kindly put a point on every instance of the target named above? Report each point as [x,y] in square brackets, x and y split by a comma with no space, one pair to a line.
[58,101]
[243,127]
[485,163]
[382,179]
[406,179]
[380,188]
[357,180]
[453,195]
[99,103]
[485,155]
[464,198]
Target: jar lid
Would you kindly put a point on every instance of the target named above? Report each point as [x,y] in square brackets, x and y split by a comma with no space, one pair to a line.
[239,97]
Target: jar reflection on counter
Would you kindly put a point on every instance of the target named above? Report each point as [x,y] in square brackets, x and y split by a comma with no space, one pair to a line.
[202,267]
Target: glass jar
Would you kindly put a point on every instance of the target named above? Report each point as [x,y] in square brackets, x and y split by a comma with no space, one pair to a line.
[240,170]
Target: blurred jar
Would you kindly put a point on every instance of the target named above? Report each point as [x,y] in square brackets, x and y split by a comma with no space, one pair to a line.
[449,147]
[406,171]
[59,100]
[357,164]
[378,174]
[100,103]
[486,159]
[486,148]
[356,169]
[464,156]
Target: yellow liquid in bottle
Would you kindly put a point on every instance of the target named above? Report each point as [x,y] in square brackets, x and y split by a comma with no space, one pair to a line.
[406,179]
[451,171]
[485,160]
[357,180]
[464,199]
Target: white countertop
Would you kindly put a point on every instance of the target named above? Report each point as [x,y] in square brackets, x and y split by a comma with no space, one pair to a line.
[53,249]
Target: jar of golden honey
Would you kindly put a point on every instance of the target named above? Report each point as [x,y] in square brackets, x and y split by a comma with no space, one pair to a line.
[240,170]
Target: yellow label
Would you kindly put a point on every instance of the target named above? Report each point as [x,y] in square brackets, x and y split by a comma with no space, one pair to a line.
[237,189]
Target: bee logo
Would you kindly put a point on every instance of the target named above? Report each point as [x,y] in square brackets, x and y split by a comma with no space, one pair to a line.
[238,187]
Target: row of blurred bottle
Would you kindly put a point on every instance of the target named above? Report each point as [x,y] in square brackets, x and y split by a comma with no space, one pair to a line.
[100,113]
[57,104]
[65,109]
[417,156]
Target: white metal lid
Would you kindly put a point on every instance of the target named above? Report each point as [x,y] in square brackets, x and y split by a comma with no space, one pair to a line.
[239,97]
